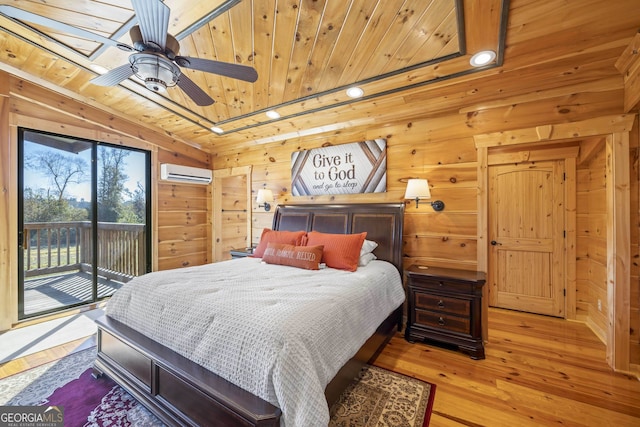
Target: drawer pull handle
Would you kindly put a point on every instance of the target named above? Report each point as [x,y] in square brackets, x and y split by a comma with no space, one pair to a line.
[441,304]
[440,321]
[441,283]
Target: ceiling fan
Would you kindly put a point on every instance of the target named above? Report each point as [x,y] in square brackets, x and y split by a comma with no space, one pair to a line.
[155,60]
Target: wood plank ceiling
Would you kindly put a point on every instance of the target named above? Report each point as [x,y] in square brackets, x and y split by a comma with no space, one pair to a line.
[306,53]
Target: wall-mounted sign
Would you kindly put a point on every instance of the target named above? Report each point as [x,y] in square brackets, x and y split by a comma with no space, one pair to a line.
[360,167]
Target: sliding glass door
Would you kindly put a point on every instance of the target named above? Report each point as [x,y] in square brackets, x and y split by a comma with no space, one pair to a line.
[122,217]
[83,220]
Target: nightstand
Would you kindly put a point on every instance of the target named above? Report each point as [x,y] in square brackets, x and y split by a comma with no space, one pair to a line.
[241,253]
[445,305]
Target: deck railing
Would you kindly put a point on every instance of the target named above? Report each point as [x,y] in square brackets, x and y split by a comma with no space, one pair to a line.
[66,246]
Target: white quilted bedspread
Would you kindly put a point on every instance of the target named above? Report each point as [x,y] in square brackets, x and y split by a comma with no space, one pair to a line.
[279,332]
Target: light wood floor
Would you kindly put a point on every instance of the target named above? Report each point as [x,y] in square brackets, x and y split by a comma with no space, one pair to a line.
[539,371]
[36,359]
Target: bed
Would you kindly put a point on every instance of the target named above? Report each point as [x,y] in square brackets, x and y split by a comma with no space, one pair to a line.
[183,386]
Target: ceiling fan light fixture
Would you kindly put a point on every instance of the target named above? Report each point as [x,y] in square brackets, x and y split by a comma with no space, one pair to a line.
[155,85]
[355,92]
[482,58]
[156,72]
[272,114]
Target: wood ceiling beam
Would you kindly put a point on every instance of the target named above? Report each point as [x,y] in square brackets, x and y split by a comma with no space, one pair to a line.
[99,118]
[580,129]
[480,16]
[629,66]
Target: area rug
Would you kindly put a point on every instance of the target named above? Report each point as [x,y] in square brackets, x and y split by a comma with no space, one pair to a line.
[376,398]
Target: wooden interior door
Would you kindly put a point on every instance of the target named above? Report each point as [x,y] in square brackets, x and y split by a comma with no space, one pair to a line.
[527,235]
[231,211]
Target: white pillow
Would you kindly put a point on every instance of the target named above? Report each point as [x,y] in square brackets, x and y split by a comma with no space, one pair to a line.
[366,259]
[367,247]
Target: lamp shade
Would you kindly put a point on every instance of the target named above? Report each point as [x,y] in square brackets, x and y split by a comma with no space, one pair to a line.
[264,196]
[417,189]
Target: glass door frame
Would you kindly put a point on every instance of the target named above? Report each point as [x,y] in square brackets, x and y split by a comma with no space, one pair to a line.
[93,218]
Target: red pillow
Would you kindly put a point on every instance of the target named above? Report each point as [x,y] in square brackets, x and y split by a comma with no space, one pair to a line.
[271,236]
[341,251]
[307,257]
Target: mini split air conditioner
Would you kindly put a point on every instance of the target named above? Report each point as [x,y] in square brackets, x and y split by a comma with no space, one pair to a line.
[186,174]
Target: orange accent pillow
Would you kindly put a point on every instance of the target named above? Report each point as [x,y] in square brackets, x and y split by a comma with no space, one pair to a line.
[307,257]
[341,251]
[271,236]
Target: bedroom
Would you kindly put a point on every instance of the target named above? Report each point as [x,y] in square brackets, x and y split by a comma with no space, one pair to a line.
[557,82]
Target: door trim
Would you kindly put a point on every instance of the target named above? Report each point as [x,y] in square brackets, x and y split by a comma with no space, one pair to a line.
[616,129]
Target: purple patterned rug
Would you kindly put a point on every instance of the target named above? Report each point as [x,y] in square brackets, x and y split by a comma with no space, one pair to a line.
[378,397]
[87,401]
[105,402]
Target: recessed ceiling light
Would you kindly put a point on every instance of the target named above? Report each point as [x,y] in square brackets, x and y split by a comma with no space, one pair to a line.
[355,92]
[98,68]
[273,114]
[216,129]
[482,58]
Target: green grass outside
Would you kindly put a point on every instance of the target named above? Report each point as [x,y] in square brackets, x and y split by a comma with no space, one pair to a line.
[44,257]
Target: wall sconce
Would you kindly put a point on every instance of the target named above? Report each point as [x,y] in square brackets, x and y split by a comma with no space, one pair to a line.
[264,197]
[418,189]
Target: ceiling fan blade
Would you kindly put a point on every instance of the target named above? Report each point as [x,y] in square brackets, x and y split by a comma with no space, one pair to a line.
[194,91]
[23,15]
[153,19]
[227,69]
[113,77]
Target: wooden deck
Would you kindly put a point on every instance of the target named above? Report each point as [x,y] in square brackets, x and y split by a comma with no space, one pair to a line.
[45,293]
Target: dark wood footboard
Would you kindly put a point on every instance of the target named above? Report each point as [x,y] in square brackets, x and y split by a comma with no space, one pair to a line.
[177,390]
[183,393]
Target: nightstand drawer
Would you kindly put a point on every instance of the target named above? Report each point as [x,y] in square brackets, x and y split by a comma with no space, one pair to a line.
[457,306]
[444,285]
[443,321]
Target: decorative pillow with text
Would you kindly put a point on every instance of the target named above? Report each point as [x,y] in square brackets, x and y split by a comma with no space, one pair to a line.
[271,236]
[307,257]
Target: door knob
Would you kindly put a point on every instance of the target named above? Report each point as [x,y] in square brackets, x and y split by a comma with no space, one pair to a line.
[493,243]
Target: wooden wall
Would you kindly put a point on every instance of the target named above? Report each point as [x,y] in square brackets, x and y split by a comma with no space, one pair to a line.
[432,137]
[415,148]
[181,224]
[443,238]
[634,240]
[184,222]
[591,243]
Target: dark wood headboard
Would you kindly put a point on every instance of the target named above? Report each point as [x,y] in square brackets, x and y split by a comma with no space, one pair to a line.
[382,222]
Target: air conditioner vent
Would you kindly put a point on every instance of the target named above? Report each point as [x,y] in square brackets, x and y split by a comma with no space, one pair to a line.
[186,174]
